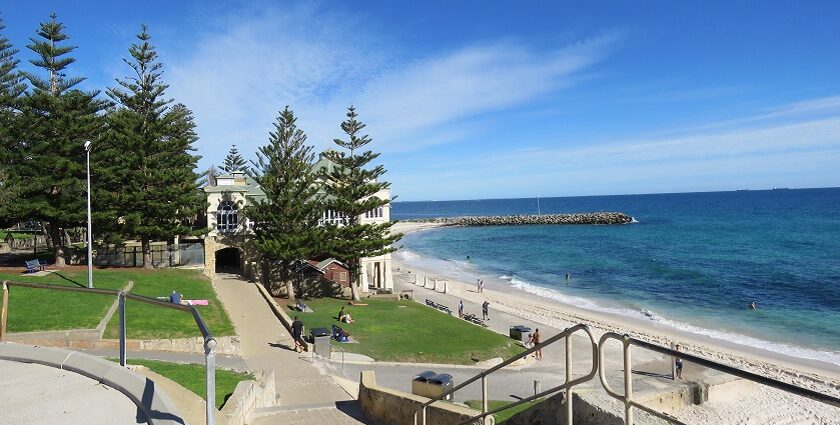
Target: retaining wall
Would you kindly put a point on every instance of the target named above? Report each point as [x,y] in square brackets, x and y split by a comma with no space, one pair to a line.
[247,397]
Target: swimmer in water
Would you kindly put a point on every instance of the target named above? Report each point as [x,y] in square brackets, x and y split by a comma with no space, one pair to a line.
[752,305]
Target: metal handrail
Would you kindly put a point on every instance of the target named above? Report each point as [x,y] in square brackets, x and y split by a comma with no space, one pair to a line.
[483,376]
[209,340]
[627,398]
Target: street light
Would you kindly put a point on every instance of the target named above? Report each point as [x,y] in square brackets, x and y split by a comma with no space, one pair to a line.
[88,145]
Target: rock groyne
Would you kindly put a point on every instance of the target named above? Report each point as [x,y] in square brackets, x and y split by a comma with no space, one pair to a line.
[515,220]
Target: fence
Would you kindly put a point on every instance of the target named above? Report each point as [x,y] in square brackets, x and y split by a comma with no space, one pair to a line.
[163,255]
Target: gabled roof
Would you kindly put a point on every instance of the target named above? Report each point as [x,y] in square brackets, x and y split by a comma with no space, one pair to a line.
[322,265]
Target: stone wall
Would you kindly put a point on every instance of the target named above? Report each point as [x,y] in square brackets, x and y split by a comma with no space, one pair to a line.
[511,220]
[391,407]
[247,397]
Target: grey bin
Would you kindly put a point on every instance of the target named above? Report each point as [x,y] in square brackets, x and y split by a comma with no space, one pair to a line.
[322,346]
[518,332]
[420,383]
[440,384]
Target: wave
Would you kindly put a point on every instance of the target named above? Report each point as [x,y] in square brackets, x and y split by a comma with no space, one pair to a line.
[633,220]
[740,339]
[467,272]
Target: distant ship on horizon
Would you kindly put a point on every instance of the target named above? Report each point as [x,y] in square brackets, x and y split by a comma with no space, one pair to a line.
[781,188]
[741,190]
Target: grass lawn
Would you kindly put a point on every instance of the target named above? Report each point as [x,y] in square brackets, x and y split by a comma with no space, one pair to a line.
[16,235]
[191,377]
[504,415]
[407,331]
[38,309]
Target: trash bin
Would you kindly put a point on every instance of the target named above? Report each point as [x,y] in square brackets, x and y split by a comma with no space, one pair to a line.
[518,332]
[322,346]
[320,332]
[440,384]
[420,383]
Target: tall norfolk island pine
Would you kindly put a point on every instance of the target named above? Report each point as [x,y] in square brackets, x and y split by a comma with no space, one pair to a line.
[147,183]
[11,90]
[57,120]
[234,161]
[286,221]
[350,189]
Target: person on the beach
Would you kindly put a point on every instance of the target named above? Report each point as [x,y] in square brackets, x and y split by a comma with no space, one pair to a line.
[297,334]
[461,309]
[478,285]
[679,363]
[535,340]
[752,305]
[485,310]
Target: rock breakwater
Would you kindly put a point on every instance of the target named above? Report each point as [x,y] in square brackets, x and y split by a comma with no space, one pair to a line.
[599,217]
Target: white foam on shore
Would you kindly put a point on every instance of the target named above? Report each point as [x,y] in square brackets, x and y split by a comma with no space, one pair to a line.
[466,272]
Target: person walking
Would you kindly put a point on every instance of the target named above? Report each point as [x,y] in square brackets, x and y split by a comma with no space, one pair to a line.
[678,363]
[485,310]
[297,334]
[461,309]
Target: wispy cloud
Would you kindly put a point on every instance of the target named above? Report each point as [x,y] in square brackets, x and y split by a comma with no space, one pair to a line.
[241,73]
[799,151]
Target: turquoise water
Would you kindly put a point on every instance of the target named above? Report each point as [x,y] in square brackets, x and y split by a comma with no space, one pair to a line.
[693,261]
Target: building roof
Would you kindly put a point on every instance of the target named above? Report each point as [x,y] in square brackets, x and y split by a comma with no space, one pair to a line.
[248,189]
[323,264]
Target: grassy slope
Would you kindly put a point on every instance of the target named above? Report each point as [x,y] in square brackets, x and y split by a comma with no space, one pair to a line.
[191,377]
[410,332]
[37,309]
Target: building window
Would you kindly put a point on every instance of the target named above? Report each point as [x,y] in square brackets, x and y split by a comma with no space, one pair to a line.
[334,217]
[227,217]
[374,213]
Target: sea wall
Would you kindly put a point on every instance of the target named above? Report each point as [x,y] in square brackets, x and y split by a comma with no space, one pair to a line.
[599,217]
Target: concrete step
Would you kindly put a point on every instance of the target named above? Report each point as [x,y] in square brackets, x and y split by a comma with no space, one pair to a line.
[338,413]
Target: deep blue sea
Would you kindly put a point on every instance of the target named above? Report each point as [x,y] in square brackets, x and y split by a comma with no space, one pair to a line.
[692,261]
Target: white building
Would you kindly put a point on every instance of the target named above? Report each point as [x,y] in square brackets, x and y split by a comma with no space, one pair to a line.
[229,229]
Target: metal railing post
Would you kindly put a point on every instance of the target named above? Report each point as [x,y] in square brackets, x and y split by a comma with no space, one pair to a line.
[210,378]
[423,421]
[484,397]
[628,383]
[569,410]
[121,303]
[4,312]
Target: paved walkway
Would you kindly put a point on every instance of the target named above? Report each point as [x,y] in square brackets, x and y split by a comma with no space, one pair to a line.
[267,345]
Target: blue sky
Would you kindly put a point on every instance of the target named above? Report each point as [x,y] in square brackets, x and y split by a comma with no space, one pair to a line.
[482,99]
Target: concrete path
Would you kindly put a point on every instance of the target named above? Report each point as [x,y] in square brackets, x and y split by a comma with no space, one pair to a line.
[34,394]
[266,344]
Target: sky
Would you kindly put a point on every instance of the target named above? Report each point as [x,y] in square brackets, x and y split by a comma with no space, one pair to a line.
[493,99]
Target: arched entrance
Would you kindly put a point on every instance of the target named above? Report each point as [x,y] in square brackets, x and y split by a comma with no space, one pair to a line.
[229,260]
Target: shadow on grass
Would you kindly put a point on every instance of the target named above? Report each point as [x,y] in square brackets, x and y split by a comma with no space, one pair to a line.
[81,285]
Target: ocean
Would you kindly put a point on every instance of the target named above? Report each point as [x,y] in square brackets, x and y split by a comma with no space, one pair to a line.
[692,261]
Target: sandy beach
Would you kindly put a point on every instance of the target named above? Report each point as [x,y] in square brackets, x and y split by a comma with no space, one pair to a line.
[761,406]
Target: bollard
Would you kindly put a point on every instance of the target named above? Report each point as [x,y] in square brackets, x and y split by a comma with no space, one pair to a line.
[673,365]
[537,386]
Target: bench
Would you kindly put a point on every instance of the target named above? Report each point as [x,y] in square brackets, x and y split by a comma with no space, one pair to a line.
[35,265]
[474,319]
[438,306]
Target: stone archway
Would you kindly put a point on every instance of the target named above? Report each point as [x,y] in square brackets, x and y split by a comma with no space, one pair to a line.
[228,260]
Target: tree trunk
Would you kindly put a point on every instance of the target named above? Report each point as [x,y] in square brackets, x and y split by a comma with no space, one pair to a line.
[355,291]
[146,245]
[286,277]
[58,248]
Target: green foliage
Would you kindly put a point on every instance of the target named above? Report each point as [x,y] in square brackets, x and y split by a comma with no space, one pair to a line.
[11,89]
[234,161]
[406,331]
[191,377]
[351,188]
[286,221]
[145,182]
[48,155]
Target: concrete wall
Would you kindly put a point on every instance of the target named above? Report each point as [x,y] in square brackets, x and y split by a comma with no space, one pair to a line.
[247,397]
[391,407]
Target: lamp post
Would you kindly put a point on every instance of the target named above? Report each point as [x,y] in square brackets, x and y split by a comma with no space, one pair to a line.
[88,145]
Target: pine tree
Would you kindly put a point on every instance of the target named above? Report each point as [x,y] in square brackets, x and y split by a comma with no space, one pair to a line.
[11,89]
[149,188]
[57,119]
[351,190]
[286,221]
[234,161]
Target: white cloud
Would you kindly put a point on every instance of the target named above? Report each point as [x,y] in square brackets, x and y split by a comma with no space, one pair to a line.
[243,71]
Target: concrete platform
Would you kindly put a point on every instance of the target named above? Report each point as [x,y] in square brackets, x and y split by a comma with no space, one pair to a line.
[35,394]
